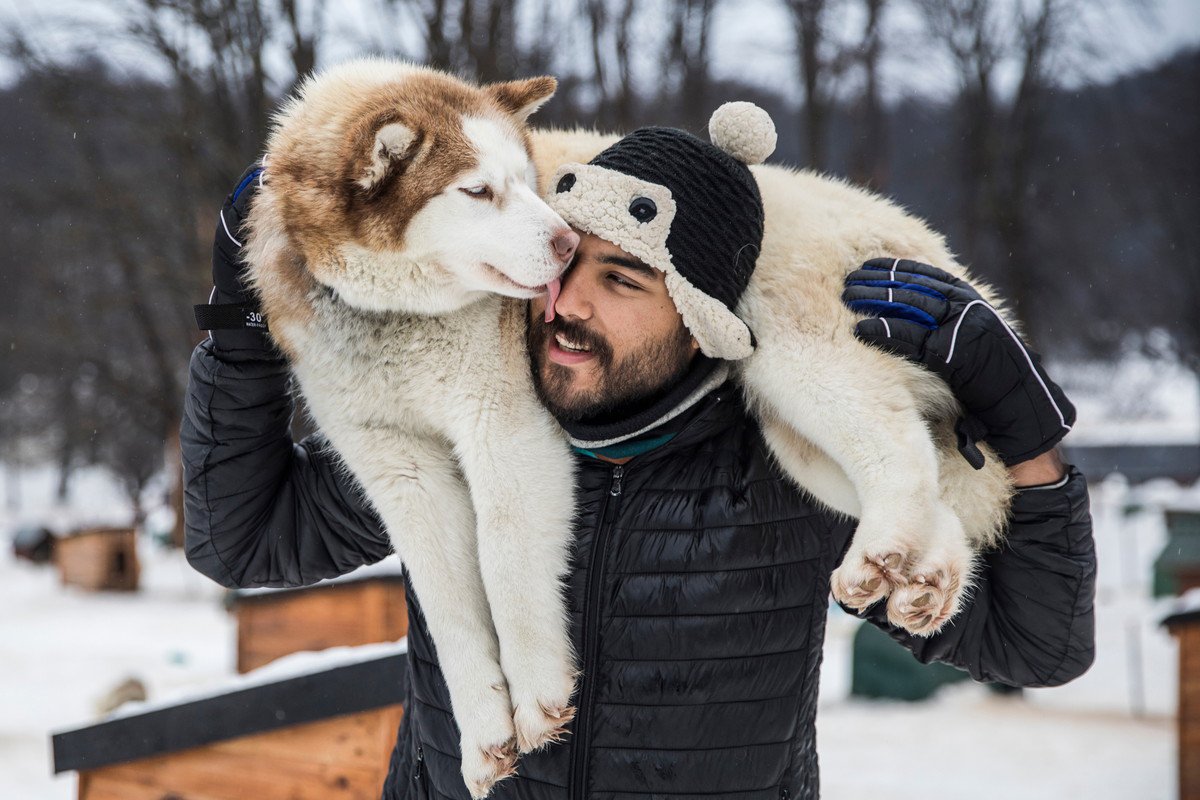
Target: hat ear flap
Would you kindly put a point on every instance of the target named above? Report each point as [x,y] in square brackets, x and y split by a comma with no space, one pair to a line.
[719,332]
[520,99]
[393,144]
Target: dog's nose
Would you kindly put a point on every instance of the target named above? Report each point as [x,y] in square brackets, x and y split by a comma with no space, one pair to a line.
[564,245]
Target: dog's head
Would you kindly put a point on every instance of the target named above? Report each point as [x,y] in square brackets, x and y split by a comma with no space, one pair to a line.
[408,189]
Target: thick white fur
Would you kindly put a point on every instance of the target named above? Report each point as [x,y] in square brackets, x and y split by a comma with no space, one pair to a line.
[882,428]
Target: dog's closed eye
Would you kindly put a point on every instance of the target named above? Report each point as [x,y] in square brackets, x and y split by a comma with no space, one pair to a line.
[478,192]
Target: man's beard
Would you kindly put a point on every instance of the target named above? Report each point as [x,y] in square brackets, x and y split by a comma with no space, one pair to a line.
[622,388]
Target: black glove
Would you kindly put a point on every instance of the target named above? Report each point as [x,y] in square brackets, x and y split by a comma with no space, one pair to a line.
[937,320]
[232,315]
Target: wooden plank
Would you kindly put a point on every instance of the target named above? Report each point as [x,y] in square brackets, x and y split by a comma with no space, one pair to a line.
[345,758]
[106,787]
[208,774]
[352,740]
[363,612]
[303,699]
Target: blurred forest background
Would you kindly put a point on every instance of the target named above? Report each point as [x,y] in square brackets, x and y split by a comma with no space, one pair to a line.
[1054,141]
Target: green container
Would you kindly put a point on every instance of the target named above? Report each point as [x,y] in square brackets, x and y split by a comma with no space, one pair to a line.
[1180,554]
[884,669]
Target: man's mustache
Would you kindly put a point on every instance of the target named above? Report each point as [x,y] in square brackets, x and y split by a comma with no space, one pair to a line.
[580,334]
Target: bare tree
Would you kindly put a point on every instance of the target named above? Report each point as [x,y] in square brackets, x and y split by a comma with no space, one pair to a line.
[139,191]
[1002,136]
[685,65]
[610,32]
[868,156]
[809,23]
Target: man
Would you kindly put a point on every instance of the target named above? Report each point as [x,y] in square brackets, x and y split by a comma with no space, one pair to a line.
[700,579]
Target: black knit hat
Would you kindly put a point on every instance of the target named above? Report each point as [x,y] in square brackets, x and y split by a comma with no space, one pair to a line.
[687,207]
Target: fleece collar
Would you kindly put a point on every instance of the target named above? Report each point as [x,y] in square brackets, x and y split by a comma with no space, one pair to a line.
[705,375]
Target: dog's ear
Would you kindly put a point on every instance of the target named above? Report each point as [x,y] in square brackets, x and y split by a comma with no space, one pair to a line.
[522,98]
[393,144]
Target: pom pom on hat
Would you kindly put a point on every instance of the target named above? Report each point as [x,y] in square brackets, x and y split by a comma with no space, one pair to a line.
[744,131]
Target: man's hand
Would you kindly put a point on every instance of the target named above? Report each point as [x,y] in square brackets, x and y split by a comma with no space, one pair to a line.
[232,314]
[935,319]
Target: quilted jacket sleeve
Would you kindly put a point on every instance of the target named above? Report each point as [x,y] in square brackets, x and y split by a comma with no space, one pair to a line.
[1030,620]
[259,509]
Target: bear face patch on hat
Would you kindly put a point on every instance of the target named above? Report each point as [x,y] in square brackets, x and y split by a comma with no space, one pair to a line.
[683,206]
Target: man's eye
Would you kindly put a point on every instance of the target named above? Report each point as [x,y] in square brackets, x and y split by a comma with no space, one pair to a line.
[478,192]
[619,279]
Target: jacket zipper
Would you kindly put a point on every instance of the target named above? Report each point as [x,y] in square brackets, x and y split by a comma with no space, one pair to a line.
[591,640]
[419,774]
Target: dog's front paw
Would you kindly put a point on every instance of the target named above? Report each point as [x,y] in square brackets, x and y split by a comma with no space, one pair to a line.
[867,576]
[489,742]
[541,680]
[485,766]
[934,589]
[542,703]
[540,723]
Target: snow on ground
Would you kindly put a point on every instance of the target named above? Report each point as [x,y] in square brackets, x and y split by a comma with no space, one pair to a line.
[1108,736]
[62,649]
[969,743]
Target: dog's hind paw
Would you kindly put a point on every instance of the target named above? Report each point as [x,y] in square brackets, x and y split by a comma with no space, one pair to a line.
[931,597]
[865,579]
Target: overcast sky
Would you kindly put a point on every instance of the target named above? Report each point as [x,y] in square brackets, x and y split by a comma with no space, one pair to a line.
[752,39]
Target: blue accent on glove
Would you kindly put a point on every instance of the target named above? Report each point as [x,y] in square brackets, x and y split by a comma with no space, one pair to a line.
[915,287]
[882,308]
[246,182]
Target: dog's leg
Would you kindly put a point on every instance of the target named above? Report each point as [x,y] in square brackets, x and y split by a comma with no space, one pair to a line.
[809,466]
[853,404]
[521,476]
[419,493]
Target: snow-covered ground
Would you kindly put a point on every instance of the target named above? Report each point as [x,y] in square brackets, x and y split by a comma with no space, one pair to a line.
[61,649]
[1107,736]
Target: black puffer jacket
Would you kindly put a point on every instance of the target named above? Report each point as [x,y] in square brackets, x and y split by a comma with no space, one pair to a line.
[698,595]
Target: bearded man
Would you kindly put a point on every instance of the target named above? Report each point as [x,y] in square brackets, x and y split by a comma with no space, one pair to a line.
[699,585]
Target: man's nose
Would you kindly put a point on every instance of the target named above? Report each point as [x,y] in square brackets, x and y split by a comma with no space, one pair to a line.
[563,245]
[573,300]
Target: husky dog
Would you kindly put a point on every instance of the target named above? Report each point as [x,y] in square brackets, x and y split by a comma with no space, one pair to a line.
[392,246]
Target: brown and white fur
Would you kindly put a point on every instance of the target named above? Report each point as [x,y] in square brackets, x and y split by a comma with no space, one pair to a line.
[398,208]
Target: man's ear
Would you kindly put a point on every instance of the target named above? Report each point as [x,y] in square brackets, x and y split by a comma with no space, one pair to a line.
[521,98]
[393,144]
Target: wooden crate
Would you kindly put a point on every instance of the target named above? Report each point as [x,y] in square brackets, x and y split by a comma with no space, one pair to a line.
[343,758]
[325,731]
[1188,634]
[99,558]
[351,613]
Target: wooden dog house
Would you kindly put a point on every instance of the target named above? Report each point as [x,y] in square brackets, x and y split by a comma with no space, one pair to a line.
[98,558]
[324,734]
[363,607]
[1184,624]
